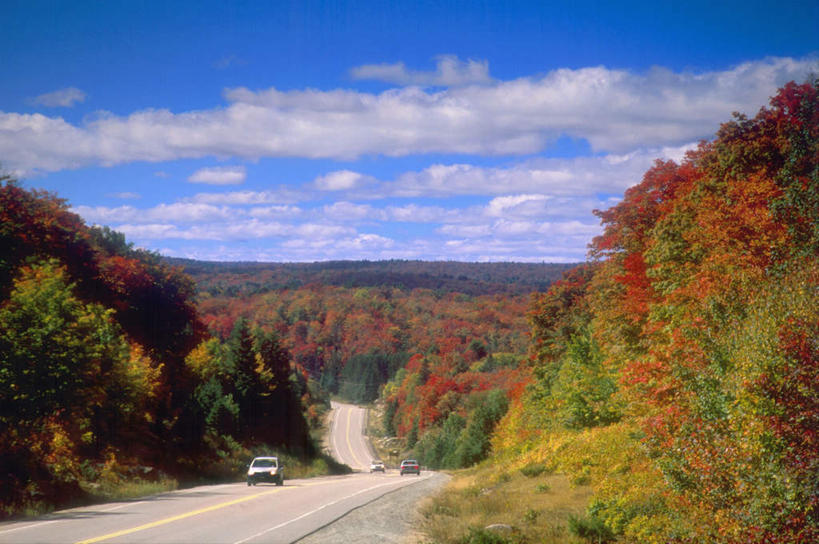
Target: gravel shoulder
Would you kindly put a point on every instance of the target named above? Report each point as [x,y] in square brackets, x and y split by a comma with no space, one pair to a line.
[389,519]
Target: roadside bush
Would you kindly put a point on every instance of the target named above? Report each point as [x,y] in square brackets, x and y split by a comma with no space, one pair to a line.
[591,529]
[534,470]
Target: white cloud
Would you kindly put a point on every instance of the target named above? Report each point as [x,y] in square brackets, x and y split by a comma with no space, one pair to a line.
[525,204]
[413,213]
[341,180]
[280,196]
[247,229]
[126,195]
[614,110]
[579,176]
[179,212]
[365,241]
[349,211]
[219,175]
[449,72]
[274,212]
[61,98]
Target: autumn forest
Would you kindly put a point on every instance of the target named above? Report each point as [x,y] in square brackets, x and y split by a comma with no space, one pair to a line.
[675,372]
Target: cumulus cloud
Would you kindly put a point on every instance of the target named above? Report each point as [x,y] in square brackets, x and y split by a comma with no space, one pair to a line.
[614,110]
[247,229]
[349,211]
[519,211]
[449,72]
[219,175]
[578,176]
[342,180]
[61,98]
[279,196]
[524,204]
[179,212]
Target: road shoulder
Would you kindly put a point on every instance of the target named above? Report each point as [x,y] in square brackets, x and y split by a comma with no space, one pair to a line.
[388,519]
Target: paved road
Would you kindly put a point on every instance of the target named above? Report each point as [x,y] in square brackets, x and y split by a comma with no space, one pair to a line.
[229,513]
[232,513]
[348,442]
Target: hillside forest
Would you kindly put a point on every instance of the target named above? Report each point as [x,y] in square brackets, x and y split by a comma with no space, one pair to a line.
[676,372]
[107,373]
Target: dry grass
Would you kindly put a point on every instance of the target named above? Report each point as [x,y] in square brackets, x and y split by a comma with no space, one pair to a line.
[536,507]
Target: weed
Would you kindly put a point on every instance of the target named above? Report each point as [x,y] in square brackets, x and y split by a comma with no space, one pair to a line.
[534,470]
[591,529]
[480,497]
[531,515]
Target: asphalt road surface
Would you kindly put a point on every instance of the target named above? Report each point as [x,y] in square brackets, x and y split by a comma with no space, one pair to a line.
[348,442]
[228,513]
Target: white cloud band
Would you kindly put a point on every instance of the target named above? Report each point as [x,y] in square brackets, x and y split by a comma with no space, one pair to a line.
[615,110]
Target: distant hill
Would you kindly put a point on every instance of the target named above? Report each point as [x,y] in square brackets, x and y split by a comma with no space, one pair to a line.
[248,278]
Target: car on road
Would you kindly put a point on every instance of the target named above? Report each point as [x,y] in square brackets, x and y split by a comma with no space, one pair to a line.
[377,466]
[410,466]
[265,469]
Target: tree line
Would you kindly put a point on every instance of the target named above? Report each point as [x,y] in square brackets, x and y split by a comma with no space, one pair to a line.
[106,367]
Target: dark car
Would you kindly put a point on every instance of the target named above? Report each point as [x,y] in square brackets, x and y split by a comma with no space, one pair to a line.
[410,466]
[265,469]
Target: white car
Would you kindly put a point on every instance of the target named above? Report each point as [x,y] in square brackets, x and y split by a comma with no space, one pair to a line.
[265,469]
[377,466]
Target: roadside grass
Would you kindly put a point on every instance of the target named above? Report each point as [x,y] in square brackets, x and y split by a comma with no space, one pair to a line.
[531,505]
[114,481]
[128,489]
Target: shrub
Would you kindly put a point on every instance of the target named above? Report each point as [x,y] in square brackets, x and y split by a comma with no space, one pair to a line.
[591,529]
[534,470]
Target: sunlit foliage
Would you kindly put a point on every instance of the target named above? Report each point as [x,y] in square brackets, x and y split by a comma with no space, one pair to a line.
[689,352]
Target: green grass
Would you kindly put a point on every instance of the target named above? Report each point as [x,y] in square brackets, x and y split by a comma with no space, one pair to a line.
[537,507]
[129,489]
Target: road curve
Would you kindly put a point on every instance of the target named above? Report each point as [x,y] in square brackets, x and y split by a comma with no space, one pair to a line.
[348,441]
[230,513]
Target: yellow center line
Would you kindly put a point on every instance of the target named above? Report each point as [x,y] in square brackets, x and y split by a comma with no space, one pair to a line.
[349,445]
[180,516]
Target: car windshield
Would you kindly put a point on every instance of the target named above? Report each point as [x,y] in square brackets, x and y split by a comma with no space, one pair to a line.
[264,463]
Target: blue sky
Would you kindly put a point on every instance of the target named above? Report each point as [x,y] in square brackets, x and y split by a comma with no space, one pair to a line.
[309,131]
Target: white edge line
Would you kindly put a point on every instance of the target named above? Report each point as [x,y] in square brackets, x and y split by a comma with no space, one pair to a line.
[48,522]
[310,513]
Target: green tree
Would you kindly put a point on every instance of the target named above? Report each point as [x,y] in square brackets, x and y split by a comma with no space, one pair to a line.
[474,441]
[584,388]
[52,346]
